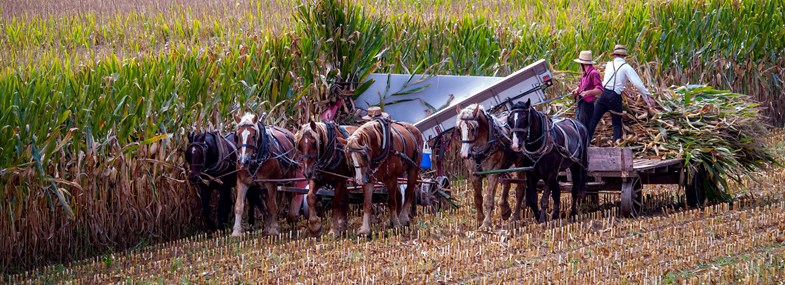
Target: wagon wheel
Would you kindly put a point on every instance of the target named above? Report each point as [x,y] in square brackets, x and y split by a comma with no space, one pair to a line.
[631,197]
[441,196]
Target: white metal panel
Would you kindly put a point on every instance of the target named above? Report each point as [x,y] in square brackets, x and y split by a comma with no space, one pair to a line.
[527,83]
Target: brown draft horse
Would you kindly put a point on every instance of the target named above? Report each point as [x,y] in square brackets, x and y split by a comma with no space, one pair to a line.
[263,155]
[383,150]
[485,145]
[322,159]
[211,163]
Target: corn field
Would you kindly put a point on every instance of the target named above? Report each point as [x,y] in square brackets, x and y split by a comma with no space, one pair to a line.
[97,97]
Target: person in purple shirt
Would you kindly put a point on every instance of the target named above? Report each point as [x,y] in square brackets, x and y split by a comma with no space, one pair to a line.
[589,88]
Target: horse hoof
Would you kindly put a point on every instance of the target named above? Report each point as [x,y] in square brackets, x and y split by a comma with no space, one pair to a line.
[404,221]
[315,229]
[364,232]
[506,213]
[272,231]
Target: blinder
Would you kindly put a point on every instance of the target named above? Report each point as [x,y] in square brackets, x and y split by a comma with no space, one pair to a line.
[203,146]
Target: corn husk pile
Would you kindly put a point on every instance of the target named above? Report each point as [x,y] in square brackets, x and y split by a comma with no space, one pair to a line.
[718,133]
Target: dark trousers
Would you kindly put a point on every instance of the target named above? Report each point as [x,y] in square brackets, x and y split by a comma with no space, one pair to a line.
[584,112]
[608,101]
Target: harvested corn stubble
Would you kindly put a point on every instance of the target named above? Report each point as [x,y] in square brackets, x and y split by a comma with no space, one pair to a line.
[718,133]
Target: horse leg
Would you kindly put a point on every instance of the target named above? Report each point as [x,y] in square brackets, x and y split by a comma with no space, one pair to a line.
[520,191]
[531,195]
[578,187]
[239,205]
[553,185]
[340,207]
[504,204]
[489,195]
[408,204]
[295,205]
[224,206]
[271,215]
[365,229]
[477,185]
[314,223]
[393,200]
[252,196]
[205,191]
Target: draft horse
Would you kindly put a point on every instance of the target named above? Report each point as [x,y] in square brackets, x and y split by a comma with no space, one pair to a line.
[265,154]
[485,145]
[211,165]
[323,162]
[553,145]
[383,150]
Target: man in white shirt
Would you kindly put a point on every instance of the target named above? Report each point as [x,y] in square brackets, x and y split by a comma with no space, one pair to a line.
[617,74]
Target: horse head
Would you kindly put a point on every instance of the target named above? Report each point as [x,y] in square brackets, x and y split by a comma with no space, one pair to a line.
[520,121]
[359,150]
[248,135]
[309,143]
[197,154]
[471,120]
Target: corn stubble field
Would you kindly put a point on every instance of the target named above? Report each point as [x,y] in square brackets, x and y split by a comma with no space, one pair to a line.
[98,97]
[738,243]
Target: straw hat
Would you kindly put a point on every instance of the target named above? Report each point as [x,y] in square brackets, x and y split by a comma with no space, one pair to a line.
[374,112]
[619,50]
[585,58]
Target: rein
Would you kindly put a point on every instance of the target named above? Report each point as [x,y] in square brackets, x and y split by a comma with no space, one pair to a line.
[546,138]
[331,156]
[262,147]
[495,142]
[222,164]
[387,147]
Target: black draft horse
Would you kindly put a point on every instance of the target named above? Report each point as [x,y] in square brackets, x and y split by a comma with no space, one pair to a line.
[553,145]
[211,164]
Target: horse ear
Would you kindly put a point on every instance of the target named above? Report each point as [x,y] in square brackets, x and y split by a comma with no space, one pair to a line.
[190,137]
[476,110]
[312,124]
[528,103]
[458,108]
[255,118]
[237,118]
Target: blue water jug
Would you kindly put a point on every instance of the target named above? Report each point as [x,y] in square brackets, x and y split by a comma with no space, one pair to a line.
[426,158]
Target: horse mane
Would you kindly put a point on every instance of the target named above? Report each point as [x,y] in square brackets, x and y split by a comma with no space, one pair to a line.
[467,115]
[319,134]
[247,119]
[362,134]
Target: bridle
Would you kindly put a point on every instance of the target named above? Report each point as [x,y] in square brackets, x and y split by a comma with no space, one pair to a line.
[546,145]
[203,146]
[251,146]
[475,129]
[330,157]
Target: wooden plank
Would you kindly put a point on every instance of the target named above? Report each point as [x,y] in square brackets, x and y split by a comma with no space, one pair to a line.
[610,159]
[646,164]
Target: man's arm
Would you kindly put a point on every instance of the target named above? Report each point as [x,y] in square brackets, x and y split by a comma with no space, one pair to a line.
[633,77]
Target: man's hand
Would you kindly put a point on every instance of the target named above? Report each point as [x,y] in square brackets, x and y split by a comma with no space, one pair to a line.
[575,92]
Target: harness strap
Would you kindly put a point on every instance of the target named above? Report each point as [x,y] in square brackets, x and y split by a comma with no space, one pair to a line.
[615,71]
[387,141]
